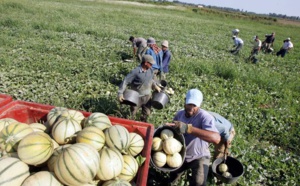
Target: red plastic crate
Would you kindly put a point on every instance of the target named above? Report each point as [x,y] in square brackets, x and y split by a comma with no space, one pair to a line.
[29,112]
[4,99]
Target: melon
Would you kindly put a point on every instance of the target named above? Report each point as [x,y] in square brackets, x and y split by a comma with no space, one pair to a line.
[52,160]
[111,163]
[227,175]
[12,134]
[77,164]
[97,119]
[174,160]
[222,167]
[66,126]
[116,182]
[91,135]
[136,144]
[41,178]
[13,171]
[159,158]
[35,148]
[166,133]
[171,146]
[117,137]
[157,144]
[130,168]
[6,121]
[54,114]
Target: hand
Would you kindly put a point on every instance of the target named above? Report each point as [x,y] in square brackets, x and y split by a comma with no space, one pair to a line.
[181,127]
[157,88]
[121,98]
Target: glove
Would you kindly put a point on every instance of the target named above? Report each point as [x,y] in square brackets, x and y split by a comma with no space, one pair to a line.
[121,98]
[182,128]
[157,88]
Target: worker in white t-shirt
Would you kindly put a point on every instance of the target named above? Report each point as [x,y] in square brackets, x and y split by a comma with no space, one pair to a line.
[287,45]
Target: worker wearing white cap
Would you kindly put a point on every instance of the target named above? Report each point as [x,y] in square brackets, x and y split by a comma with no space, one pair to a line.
[287,45]
[238,44]
[198,127]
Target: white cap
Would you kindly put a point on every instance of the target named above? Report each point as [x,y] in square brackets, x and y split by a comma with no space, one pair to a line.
[288,39]
[194,96]
[165,43]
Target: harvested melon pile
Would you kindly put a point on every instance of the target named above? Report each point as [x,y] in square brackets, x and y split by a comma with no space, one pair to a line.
[68,149]
[166,150]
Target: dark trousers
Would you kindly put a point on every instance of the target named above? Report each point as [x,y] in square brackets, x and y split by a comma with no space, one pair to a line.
[199,167]
[145,103]
[281,52]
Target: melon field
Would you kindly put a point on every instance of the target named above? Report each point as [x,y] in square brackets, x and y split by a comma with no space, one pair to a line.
[68,53]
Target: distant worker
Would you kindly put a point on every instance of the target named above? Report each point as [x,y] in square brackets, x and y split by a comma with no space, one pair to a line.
[157,55]
[235,32]
[238,44]
[256,48]
[166,56]
[268,42]
[287,45]
[139,46]
[140,80]
[227,134]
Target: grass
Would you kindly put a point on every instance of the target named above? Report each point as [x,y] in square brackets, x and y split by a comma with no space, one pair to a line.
[68,53]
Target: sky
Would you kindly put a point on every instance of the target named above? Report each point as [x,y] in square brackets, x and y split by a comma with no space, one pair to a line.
[285,7]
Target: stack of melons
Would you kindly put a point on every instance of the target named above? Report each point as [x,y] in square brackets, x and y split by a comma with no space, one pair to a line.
[166,150]
[68,149]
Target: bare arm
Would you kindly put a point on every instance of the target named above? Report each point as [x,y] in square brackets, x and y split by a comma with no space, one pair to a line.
[206,135]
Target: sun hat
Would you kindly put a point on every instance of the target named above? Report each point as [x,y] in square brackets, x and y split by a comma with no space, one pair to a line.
[194,96]
[148,58]
[165,43]
[288,39]
[151,40]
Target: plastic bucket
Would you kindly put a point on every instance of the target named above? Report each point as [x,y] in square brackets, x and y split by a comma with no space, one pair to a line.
[159,100]
[177,136]
[235,168]
[131,97]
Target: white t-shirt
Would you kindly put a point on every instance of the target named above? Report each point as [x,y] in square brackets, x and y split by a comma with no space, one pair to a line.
[287,45]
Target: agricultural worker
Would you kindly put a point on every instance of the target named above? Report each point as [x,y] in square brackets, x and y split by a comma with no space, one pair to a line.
[238,44]
[235,32]
[256,48]
[268,42]
[198,128]
[157,55]
[140,80]
[287,45]
[139,46]
[227,134]
[166,56]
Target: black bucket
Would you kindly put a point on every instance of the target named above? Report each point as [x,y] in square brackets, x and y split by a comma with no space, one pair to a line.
[177,136]
[131,97]
[235,168]
[159,100]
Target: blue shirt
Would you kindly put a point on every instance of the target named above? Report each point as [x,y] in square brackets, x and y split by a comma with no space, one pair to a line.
[196,147]
[157,58]
[223,125]
[166,60]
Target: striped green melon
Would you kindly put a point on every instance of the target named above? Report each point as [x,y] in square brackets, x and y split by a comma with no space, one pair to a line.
[11,135]
[52,160]
[174,160]
[166,133]
[171,146]
[54,114]
[41,178]
[38,127]
[117,137]
[159,158]
[12,171]
[77,164]
[91,135]
[136,144]
[130,168]
[35,148]
[6,121]
[97,119]
[66,126]
[111,163]
[116,182]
